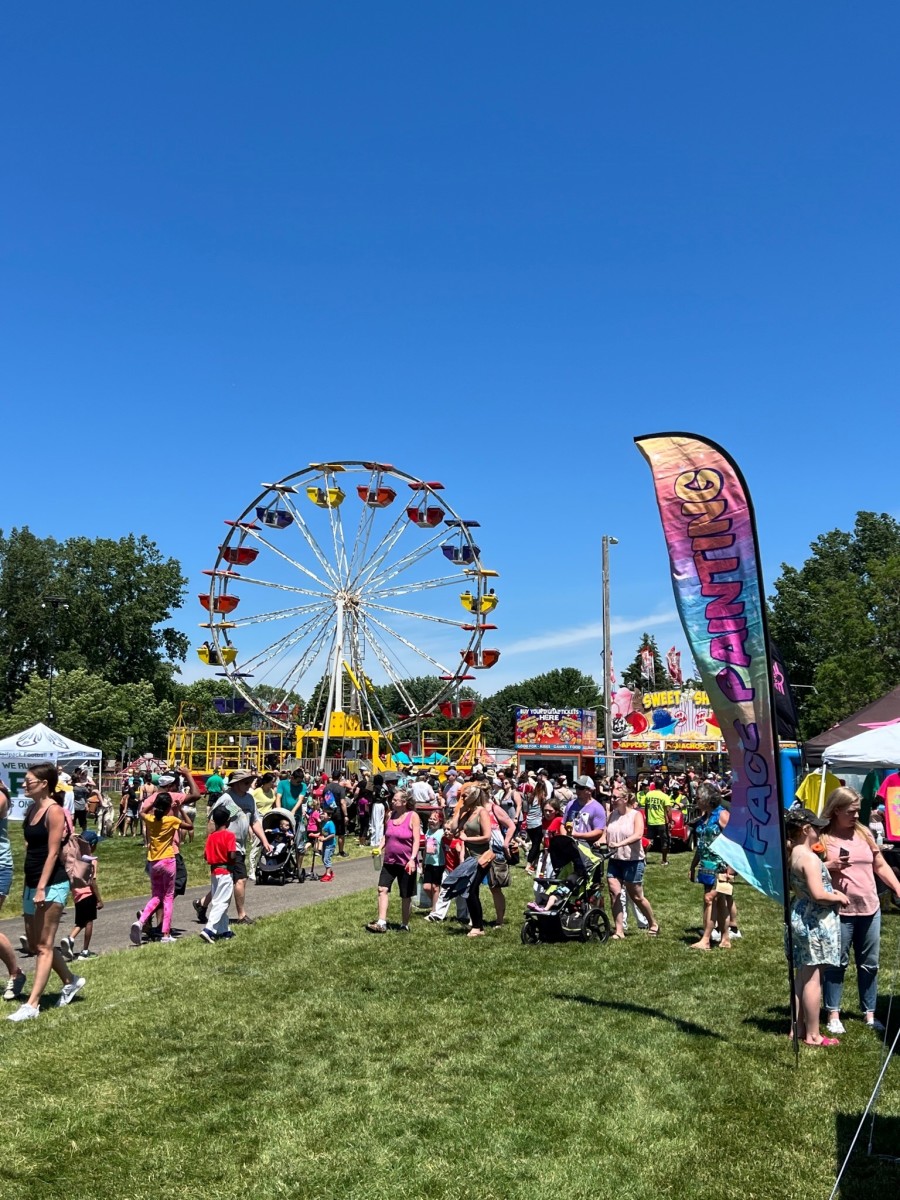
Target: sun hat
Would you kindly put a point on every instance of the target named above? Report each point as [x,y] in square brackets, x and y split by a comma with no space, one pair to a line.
[241,776]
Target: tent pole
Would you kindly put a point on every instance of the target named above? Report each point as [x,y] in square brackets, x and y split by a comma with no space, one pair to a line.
[821,789]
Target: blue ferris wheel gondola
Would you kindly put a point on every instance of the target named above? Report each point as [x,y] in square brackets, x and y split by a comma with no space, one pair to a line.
[274,518]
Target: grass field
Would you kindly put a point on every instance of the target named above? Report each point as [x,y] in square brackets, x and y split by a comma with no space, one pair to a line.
[307,1058]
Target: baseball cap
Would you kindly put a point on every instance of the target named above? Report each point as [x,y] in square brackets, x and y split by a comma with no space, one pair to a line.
[798,815]
[166,781]
[91,837]
[585,781]
[240,776]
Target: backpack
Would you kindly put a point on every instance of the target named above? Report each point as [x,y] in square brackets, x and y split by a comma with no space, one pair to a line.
[72,853]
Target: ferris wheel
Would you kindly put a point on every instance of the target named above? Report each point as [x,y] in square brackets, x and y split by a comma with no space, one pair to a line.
[307,606]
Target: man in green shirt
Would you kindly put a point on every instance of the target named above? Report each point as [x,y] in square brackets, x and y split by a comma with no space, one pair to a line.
[215,786]
[657,804]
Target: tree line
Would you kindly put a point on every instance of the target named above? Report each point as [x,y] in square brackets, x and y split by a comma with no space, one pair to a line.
[98,612]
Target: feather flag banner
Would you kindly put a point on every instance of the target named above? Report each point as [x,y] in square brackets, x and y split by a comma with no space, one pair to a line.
[710,531]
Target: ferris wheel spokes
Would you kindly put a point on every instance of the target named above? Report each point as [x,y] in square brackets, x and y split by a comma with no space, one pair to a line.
[420,616]
[405,588]
[363,528]
[337,536]
[382,656]
[271,652]
[306,532]
[409,645]
[254,533]
[404,564]
[381,551]
[281,587]
[278,614]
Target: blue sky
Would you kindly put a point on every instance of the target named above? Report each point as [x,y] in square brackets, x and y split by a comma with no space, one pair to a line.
[487,243]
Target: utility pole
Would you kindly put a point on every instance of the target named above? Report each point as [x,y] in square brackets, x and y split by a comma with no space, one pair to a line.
[607,689]
[54,603]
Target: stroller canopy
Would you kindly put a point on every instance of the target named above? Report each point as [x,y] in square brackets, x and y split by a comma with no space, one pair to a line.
[273,818]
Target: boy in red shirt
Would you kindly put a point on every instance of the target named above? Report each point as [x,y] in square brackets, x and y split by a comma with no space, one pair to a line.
[220,852]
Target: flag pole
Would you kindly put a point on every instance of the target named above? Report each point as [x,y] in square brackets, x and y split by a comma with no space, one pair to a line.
[776,748]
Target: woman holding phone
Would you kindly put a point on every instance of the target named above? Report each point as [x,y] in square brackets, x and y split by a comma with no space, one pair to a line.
[855,861]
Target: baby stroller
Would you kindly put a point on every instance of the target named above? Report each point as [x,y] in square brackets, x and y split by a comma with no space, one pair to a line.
[577,886]
[281,864]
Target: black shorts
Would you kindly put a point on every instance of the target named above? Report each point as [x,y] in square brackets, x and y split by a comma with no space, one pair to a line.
[406,883]
[340,822]
[85,911]
[659,837]
[239,867]
[431,874]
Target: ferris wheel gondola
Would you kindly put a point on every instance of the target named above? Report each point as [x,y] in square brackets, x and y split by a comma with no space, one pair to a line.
[346,608]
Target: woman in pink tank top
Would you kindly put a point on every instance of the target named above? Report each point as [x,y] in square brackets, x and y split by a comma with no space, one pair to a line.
[854,861]
[400,846]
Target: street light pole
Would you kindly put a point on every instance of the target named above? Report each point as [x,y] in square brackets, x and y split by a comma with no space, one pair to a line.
[607,689]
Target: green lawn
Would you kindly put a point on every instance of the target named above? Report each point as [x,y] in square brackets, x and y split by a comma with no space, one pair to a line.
[309,1059]
[121,863]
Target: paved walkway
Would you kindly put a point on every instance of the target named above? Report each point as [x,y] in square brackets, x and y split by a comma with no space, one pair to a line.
[113,923]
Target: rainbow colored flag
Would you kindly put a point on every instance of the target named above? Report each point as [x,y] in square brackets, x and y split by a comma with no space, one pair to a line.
[710,532]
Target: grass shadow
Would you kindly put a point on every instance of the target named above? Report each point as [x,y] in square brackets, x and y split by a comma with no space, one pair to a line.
[868,1175]
[779,1020]
[641,1010]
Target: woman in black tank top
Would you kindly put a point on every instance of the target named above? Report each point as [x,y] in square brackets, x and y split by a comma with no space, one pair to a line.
[46,888]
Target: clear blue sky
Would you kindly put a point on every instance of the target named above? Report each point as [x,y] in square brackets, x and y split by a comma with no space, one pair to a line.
[489,243]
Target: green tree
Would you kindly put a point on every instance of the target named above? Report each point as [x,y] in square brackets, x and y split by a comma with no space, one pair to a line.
[632,676]
[565,687]
[836,620]
[116,599]
[94,711]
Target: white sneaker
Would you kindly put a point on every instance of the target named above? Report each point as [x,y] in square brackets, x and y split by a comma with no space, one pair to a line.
[67,948]
[835,1026]
[70,991]
[715,936]
[736,934]
[26,1013]
[135,934]
[14,986]
[875,1025]
[168,938]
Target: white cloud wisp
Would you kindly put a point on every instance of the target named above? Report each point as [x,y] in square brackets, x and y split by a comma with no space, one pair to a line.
[587,633]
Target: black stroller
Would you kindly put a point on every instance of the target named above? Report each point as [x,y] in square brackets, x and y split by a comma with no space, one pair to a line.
[575,889]
[281,864]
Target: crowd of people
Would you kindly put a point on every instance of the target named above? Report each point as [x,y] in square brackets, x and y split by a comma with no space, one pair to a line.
[441,842]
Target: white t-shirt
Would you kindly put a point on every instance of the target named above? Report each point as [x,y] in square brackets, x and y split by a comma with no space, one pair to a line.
[422,792]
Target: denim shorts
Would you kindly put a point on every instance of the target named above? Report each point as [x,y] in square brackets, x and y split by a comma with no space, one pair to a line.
[5,879]
[626,870]
[56,893]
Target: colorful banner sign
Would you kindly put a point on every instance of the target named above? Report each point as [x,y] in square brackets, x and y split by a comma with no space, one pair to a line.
[710,532]
[12,775]
[556,729]
[665,719]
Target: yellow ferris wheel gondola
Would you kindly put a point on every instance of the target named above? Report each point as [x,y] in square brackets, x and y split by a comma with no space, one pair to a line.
[479,604]
[210,656]
[327,497]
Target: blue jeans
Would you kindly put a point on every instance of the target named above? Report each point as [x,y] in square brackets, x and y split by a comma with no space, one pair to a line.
[327,856]
[863,934]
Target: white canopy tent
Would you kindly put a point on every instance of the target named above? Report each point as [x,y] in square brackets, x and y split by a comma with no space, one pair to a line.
[21,751]
[869,751]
